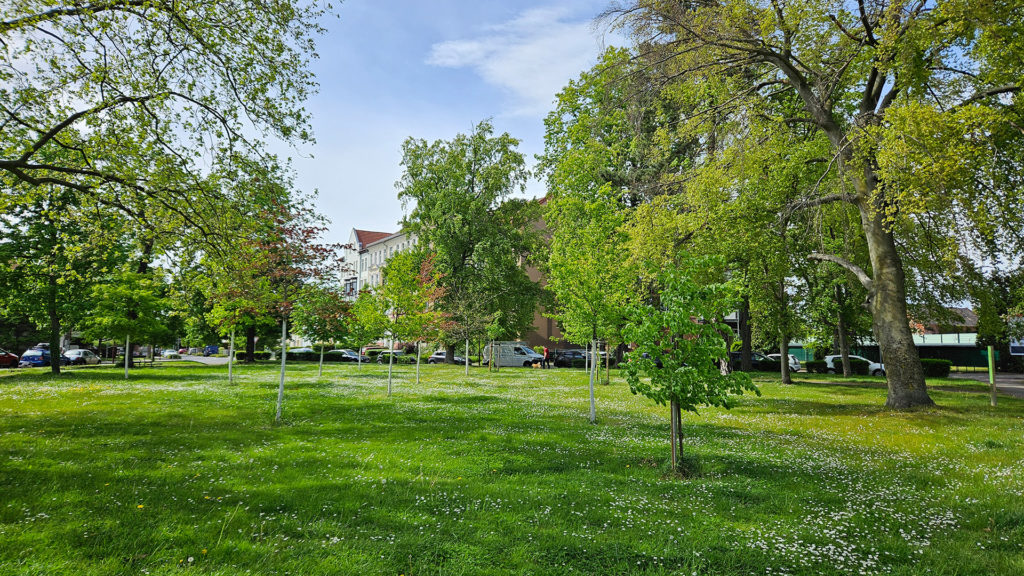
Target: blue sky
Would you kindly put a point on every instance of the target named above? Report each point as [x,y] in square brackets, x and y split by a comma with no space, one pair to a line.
[390,69]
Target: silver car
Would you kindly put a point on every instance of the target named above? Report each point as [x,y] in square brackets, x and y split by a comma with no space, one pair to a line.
[794,364]
[81,356]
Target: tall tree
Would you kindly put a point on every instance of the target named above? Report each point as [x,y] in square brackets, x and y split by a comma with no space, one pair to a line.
[127,101]
[52,252]
[891,87]
[479,236]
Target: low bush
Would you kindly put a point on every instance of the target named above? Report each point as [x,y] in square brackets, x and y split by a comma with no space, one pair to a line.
[857,367]
[936,368]
[240,355]
[769,365]
[816,366]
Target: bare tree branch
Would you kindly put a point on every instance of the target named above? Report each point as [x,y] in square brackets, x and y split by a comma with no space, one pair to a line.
[857,271]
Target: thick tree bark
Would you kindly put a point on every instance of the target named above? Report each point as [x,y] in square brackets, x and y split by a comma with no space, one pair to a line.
[746,344]
[250,344]
[891,324]
[449,353]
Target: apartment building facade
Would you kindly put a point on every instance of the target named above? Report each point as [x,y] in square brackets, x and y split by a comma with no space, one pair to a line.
[368,254]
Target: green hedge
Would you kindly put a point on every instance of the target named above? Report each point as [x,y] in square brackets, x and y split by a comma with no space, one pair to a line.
[857,367]
[935,368]
[240,355]
[816,366]
[769,365]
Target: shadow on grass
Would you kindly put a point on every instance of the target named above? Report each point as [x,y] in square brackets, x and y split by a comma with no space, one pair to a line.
[472,481]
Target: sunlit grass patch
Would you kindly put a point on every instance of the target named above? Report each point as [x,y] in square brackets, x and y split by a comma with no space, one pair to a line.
[497,473]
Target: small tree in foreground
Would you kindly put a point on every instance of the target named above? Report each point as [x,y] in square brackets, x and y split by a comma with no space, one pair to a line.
[676,359]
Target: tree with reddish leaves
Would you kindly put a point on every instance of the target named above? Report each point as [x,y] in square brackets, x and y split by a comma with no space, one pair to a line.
[279,253]
[288,257]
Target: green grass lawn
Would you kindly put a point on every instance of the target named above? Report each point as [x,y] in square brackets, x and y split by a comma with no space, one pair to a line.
[498,473]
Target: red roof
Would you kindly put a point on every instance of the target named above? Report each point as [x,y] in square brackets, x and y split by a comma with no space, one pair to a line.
[367,237]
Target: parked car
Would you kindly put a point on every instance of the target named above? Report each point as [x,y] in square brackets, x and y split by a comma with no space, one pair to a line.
[565,358]
[210,350]
[439,357]
[38,358]
[8,360]
[756,358]
[81,356]
[511,354]
[794,364]
[349,355]
[834,365]
[300,350]
[382,356]
[182,350]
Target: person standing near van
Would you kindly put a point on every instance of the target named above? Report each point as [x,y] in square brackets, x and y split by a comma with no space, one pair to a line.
[546,363]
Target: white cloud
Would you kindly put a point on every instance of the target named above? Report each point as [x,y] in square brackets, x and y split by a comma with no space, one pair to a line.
[531,57]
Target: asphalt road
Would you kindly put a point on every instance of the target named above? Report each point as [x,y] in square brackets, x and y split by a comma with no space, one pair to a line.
[208,360]
[1010,384]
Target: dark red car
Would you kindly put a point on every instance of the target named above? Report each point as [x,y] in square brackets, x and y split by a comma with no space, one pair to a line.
[8,360]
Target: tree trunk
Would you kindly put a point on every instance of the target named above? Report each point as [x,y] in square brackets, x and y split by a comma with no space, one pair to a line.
[889,312]
[231,357]
[675,434]
[54,324]
[417,363]
[284,359]
[467,357]
[320,372]
[607,365]
[391,362]
[449,353]
[844,343]
[250,344]
[787,378]
[593,404]
[746,344]
[127,354]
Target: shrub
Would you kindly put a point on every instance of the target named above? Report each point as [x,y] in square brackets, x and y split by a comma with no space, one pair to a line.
[769,365]
[240,355]
[857,367]
[936,368]
[816,366]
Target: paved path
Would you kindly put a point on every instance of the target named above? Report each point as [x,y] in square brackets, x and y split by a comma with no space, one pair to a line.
[1011,384]
[208,360]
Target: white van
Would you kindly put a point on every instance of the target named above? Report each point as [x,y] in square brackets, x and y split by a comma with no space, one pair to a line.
[511,354]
